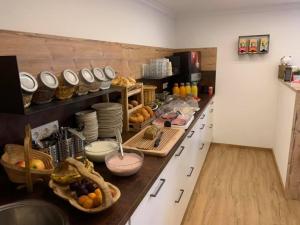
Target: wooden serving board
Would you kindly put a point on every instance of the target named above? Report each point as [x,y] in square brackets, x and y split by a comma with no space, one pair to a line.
[169,139]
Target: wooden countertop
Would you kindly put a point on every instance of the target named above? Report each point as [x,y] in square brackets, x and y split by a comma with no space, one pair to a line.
[293,86]
[133,188]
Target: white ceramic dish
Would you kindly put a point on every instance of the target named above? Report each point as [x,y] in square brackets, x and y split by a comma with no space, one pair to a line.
[96,151]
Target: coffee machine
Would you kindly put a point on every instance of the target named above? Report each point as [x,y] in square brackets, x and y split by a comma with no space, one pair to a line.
[189,66]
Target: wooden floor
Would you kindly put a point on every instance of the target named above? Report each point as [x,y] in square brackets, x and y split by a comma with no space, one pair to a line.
[240,186]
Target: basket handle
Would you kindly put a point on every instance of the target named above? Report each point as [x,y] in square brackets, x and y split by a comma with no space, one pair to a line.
[95,177]
[27,155]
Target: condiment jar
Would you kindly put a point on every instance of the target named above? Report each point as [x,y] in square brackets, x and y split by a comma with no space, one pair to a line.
[47,83]
[86,80]
[28,85]
[68,82]
[100,78]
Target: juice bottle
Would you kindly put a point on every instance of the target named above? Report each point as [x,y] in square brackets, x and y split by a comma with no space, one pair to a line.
[176,89]
[194,89]
[188,88]
[182,90]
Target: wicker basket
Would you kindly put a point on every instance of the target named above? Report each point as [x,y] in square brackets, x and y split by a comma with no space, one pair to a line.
[14,153]
[149,94]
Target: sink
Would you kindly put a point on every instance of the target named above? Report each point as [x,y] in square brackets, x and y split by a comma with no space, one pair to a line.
[32,212]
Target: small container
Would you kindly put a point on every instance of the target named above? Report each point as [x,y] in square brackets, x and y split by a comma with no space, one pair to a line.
[68,82]
[28,85]
[47,83]
[101,79]
[175,90]
[86,80]
[188,89]
[194,90]
[182,90]
[149,94]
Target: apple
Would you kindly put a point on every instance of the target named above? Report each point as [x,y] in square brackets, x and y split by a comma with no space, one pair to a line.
[37,164]
[20,163]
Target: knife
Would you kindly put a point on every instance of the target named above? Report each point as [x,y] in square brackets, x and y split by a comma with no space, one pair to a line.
[158,139]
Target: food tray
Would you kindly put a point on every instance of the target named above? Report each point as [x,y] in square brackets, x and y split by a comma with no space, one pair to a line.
[169,139]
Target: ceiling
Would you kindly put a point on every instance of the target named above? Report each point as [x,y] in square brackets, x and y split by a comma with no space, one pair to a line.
[191,6]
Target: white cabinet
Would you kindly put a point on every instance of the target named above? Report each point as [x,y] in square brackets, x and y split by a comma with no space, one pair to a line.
[166,201]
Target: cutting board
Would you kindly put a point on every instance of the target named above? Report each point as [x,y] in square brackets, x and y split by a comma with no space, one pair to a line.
[168,140]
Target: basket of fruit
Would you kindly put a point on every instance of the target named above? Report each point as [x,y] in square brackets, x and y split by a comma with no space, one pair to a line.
[25,165]
[88,192]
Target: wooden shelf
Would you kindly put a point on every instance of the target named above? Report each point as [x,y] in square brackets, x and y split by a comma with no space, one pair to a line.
[57,103]
[135,108]
[134,92]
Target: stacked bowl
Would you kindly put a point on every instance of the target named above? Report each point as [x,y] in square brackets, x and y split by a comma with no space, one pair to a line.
[88,120]
[110,118]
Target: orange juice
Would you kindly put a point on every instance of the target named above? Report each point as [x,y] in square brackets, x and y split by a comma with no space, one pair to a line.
[176,89]
[182,90]
[195,89]
[188,88]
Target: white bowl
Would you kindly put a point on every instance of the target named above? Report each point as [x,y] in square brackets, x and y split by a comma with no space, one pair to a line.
[96,151]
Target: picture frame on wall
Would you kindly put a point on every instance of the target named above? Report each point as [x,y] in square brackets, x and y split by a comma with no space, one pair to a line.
[254,44]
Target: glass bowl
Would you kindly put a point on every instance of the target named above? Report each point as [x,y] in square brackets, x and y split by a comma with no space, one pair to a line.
[129,165]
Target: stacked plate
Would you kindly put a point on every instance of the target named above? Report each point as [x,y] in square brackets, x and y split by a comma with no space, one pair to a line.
[110,117]
[88,120]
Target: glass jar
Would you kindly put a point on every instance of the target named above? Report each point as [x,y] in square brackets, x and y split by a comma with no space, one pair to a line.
[28,86]
[182,90]
[68,83]
[86,80]
[47,84]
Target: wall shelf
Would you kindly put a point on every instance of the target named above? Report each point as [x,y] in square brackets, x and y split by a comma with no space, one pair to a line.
[57,103]
[10,87]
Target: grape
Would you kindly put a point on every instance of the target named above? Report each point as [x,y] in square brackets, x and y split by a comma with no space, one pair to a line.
[81,191]
[91,187]
[74,186]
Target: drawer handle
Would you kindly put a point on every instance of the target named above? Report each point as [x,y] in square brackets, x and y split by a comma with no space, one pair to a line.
[181,193]
[202,146]
[202,117]
[201,128]
[192,170]
[181,150]
[212,103]
[160,186]
[192,133]
[211,126]
[211,110]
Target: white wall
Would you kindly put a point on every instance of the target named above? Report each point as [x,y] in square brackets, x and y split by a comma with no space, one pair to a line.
[246,91]
[125,21]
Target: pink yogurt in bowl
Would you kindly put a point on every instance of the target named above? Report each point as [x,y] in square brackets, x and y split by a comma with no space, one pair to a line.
[129,165]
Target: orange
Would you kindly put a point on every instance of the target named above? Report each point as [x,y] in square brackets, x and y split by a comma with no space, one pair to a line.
[88,204]
[92,195]
[99,194]
[97,201]
[97,191]
[82,199]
